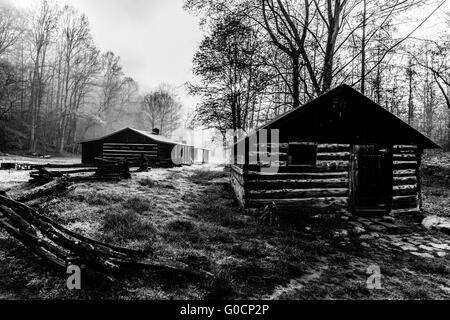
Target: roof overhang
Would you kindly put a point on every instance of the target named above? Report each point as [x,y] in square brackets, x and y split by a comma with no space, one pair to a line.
[372,108]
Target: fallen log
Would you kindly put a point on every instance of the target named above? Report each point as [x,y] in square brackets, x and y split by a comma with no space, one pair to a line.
[164,266]
[61,246]
[16,220]
[112,177]
[120,170]
[83,170]
[61,166]
[39,251]
[42,175]
[105,161]
[55,186]
[87,252]
[106,171]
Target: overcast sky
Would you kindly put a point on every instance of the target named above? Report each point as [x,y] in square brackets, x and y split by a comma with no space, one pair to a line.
[156,39]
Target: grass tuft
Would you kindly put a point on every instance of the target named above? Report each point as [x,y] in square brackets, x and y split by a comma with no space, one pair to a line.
[436,267]
[214,209]
[220,288]
[202,175]
[182,231]
[147,182]
[127,225]
[179,225]
[99,198]
[138,204]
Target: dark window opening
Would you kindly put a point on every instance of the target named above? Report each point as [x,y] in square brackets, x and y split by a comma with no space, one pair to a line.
[302,155]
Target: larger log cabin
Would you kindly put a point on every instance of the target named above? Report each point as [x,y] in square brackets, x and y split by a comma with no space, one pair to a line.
[339,152]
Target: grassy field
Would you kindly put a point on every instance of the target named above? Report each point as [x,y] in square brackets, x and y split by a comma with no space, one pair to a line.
[37,160]
[436,183]
[191,215]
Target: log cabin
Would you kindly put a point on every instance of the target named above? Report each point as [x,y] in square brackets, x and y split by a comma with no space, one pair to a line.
[132,143]
[341,152]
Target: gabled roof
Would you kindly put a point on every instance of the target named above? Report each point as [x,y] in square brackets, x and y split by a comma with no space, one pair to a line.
[343,113]
[156,137]
[147,134]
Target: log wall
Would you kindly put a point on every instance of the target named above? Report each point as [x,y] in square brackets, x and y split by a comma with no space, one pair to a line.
[406,181]
[118,151]
[238,179]
[324,187]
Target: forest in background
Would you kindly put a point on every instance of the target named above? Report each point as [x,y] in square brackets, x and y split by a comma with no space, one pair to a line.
[57,88]
[261,58]
[257,60]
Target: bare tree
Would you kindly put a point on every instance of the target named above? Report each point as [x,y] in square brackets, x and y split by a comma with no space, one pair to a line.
[410,73]
[435,59]
[80,64]
[11,27]
[162,109]
[54,83]
[43,26]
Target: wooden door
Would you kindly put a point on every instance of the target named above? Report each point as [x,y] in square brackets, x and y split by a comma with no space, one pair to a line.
[372,179]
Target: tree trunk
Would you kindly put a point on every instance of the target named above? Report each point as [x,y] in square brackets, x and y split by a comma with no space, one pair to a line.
[363,49]
[448,131]
[333,31]
[33,105]
[62,132]
[410,97]
[296,82]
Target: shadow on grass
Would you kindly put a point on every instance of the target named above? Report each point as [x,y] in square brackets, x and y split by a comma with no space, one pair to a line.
[138,204]
[101,198]
[126,226]
[200,176]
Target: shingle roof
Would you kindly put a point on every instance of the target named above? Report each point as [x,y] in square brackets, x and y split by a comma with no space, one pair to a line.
[319,107]
[144,133]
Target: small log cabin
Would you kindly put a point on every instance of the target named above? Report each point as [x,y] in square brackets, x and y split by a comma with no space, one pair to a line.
[132,143]
[341,152]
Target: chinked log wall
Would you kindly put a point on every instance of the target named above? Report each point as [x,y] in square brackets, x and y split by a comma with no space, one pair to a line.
[407,195]
[238,181]
[323,187]
[118,151]
[326,186]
